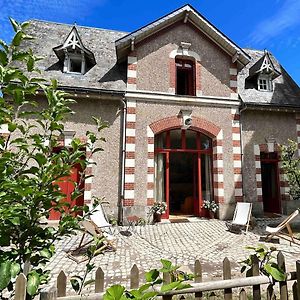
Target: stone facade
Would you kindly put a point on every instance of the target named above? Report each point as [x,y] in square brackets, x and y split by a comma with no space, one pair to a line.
[133,86]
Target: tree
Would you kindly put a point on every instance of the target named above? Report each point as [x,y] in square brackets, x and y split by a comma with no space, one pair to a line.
[291,166]
[29,168]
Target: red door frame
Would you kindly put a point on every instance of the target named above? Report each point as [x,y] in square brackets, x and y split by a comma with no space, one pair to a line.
[167,151]
[268,159]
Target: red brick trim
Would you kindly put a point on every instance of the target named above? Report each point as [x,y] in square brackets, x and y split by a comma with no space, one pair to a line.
[199,124]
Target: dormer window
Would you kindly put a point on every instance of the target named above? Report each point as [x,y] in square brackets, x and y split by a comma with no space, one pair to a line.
[262,74]
[264,83]
[74,57]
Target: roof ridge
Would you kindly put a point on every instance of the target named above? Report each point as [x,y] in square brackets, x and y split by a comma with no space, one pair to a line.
[75,24]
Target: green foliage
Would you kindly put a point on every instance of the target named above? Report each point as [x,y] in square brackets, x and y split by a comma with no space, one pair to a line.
[291,166]
[79,282]
[153,278]
[30,169]
[266,263]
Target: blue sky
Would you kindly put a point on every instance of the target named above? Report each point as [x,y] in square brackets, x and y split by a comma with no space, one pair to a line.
[267,24]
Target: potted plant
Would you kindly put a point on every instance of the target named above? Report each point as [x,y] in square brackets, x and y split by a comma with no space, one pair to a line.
[211,206]
[157,210]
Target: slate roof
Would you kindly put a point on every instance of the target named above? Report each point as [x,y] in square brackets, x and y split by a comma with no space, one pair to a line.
[106,74]
[286,92]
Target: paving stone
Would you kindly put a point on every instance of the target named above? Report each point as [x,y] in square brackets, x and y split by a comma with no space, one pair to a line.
[182,243]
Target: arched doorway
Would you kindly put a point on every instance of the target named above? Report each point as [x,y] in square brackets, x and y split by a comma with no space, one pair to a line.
[183,171]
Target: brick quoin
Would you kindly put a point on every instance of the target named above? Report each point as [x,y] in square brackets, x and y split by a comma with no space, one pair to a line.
[131,80]
[217,156]
[87,186]
[150,201]
[130,155]
[129,170]
[130,125]
[132,67]
[128,202]
[150,170]
[150,185]
[130,140]
[233,77]
[129,186]
[131,110]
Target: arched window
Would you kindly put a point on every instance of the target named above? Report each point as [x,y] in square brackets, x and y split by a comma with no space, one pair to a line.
[183,170]
[185,77]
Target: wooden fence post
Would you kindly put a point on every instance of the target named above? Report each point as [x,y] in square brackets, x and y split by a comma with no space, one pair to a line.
[50,294]
[134,277]
[227,275]
[21,283]
[255,272]
[282,284]
[295,293]
[61,284]
[167,279]
[99,281]
[243,295]
[270,292]
[198,277]
[298,278]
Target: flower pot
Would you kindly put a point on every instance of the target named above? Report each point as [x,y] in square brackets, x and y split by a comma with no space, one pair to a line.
[156,217]
[211,214]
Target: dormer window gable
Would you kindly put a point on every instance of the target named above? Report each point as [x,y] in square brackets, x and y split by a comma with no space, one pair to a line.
[74,56]
[262,73]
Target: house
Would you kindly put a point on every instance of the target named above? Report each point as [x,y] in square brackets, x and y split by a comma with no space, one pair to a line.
[192,115]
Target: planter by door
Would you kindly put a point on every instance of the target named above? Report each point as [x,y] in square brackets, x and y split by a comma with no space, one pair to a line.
[156,217]
[211,214]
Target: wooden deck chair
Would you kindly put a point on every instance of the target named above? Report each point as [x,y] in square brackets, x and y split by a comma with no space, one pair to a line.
[89,227]
[99,218]
[278,230]
[241,217]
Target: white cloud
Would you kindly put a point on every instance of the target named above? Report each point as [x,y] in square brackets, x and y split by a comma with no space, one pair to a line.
[68,11]
[287,17]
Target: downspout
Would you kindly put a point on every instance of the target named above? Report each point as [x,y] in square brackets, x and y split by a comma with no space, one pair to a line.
[242,147]
[123,153]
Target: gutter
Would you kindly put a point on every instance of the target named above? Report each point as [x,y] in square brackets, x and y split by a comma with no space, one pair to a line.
[242,146]
[123,153]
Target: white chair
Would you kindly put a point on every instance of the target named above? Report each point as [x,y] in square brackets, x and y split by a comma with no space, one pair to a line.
[241,217]
[98,217]
[278,230]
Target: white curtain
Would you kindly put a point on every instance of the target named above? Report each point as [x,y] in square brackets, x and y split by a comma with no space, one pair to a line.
[159,171]
[206,188]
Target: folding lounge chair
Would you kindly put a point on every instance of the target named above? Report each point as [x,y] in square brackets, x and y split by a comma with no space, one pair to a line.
[94,227]
[241,217]
[278,230]
[99,219]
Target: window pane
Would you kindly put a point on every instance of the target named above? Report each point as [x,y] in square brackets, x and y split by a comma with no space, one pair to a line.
[160,163]
[205,142]
[75,65]
[206,177]
[160,141]
[175,137]
[191,139]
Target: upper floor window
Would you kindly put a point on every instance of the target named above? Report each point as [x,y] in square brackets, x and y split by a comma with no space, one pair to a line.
[185,77]
[264,83]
